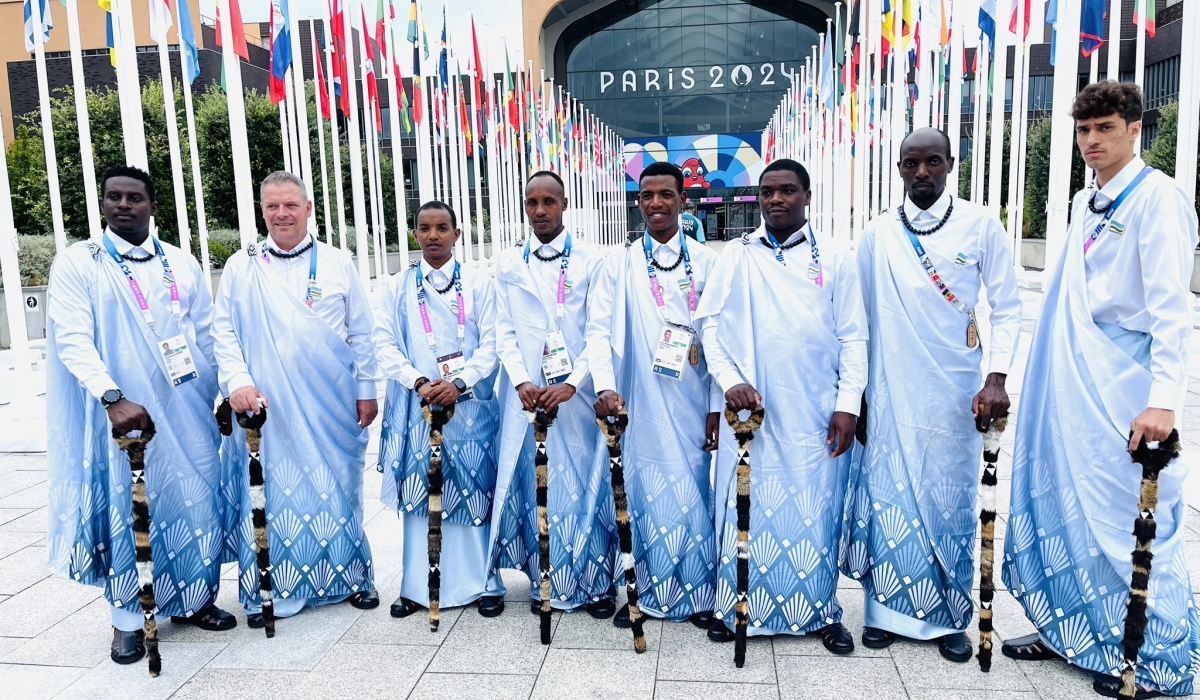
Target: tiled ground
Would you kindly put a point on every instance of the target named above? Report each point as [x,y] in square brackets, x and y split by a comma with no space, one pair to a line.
[54,638]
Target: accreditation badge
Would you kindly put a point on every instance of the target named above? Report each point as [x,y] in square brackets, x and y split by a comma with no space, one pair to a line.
[674,344]
[178,359]
[451,366]
[556,361]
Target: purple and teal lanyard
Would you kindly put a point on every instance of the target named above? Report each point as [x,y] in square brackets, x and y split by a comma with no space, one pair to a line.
[168,279]
[560,299]
[1112,209]
[462,310]
[656,288]
[814,268]
[933,273]
[312,292]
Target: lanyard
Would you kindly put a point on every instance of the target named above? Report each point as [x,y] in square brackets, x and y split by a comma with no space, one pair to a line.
[933,273]
[168,279]
[425,323]
[1112,208]
[561,297]
[815,272]
[656,288]
[312,292]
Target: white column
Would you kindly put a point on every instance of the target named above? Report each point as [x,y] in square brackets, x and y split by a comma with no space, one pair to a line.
[1189,102]
[39,52]
[238,141]
[129,87]
[303,143]
[1062,131]
[86,158]
[177,184]
[1113,69]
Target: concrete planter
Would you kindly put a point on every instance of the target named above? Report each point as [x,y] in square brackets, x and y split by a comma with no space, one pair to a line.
[1033,253]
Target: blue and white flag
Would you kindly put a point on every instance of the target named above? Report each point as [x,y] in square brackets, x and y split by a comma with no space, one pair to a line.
[1052,20]
[188,36]
[987,23]
[47,23]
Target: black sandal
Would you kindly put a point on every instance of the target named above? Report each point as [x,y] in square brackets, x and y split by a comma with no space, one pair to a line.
[1110,687]
[1028,648]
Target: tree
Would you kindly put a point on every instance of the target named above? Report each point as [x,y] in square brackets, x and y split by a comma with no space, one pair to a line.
[1161,153]
[1037,177]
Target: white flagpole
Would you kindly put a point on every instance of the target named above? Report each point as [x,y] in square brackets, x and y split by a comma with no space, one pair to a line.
[86,158]
[372,184]
[354,141]
[1139,63]
[316,57]
[1186,149]
[335,140]
[39,51]
[996,156]
[1017,144]
[284,139]
[979,142]
[395,85]
[293,132]
[476,74]
[1113,70]
[954,118]
[899,100]
[129,88]
[10,272]
[238,141]
[1062,131]
[449,103]
[303,143]
[168,88]
[194,156]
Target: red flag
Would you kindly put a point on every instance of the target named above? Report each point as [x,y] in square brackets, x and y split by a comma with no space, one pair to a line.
[1012,22]
[237,29]
[464,121]
[418,103]
[337,22]
[372,86]
[322,88]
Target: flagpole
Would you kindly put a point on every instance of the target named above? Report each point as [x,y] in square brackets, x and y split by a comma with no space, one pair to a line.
[316,58]
[368,145]
[129,88]
[193,149]
[290,105]
[335,139]
[395,85]
[284,139]
[898,105]
[1017,143]
[1186,149]
[39,49]
[86,157]
[979,143]
[475,107]
[10,273]
[238,140]
[1113,70]
[168,89]
[303,143]
[354,142]
[996,155]
[1062,131]
[1139,62]
[954,117]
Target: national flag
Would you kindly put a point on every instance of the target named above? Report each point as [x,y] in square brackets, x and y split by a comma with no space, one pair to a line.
[944,24]
[237,30]
[337,24]
[381,28]
[191,63]
[372,86]
[1143,15]
[987,23]
[412,22]
[1052,20]
[405,123]
[444,57]
[417,83]
[1012,22]
[853,28]
[826,89]
[160,20]
[1091,25]
[47,23]
[887,27]
[464,120]
[510,93]
[281,50]
[322,88]
[109,40]
[480,78]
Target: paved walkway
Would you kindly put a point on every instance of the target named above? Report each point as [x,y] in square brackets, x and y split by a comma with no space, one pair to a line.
[54,636]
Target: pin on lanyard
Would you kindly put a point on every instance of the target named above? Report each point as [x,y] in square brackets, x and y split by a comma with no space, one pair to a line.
[312,292]
[426,325]
[168,280]
[561,296]
[815,271]
[938,282]
[1112,209]
[656,288]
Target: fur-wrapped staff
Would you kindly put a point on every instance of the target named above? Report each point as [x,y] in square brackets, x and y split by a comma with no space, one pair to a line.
[987,530]
[1152,461]
[744,431]
[135,449]
[542,420]
[252,423]
[437,419]
[613,429]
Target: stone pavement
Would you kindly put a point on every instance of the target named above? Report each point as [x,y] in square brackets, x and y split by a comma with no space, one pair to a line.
[54,635]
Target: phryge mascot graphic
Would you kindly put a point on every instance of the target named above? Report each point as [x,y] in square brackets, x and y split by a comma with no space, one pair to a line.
[693,173]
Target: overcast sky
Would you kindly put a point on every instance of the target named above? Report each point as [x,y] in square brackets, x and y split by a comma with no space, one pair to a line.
[495,21]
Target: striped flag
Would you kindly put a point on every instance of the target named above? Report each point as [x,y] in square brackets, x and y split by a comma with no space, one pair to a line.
[47,23]
[322,88]
[987,23]
[417,82]
[1012,22]
[239,34]
[372,85]
[281,50]
[1143,15]
[160,20]
[109,39]
[412,22]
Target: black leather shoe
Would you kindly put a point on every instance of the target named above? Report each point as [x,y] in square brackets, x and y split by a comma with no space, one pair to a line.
[128,647]
[1110,687]
[365,600]
[491,606]
[837,638]
[703,620]
[602,609]
[875,638]
[719,632]
[955,647]
[621,620]
[211,618]
[403,607]
[255,621]
[1027,648]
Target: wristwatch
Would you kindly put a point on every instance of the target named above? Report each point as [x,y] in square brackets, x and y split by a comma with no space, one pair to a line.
[110,397]
[422,381]
[460,385]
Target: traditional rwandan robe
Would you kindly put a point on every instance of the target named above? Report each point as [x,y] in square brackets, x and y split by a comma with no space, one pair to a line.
[913,517]
[1074,487]
[803,348]
[312,448]
[470,439]
[97,340]
[582,519]
[666,468]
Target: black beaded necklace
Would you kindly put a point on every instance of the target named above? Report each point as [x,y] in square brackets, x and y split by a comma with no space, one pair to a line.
[661,268]
[940,224]
[289,255]
[131,258]
[786,246]
[1095,209]
[445,289]
[547,258]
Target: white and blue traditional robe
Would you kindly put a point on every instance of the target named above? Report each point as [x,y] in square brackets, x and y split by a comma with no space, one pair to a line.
[912,510]
[667,471]
[312,364]
[98,340]
[803,348]
[470,440]
[579,494]
[1112,340]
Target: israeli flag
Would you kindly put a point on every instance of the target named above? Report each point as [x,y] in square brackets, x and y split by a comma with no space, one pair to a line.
[47,23]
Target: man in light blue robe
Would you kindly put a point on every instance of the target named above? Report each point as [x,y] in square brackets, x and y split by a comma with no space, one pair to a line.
[912,515]
[292,329]
[543,290]
[1107,368]
[784,329]
[105,370]
[463,371]
[673,420]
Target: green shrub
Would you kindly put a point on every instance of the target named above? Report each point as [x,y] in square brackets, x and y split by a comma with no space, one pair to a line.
[35,255]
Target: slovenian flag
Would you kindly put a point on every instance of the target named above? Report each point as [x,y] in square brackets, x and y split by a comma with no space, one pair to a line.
[281,50]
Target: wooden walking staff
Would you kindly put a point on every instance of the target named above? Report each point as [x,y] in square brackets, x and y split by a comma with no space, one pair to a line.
[542,420]
[1152,461]
[135,449]
[613,429]
[987,530]
[437,419]
[252,423]
[744,431]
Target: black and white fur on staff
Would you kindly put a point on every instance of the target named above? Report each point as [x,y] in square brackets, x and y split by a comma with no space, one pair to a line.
[135,449]
[252,423]
[542,420]
[1152,460]
[987,533]
[744,431]
[437,419]
[613,429]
